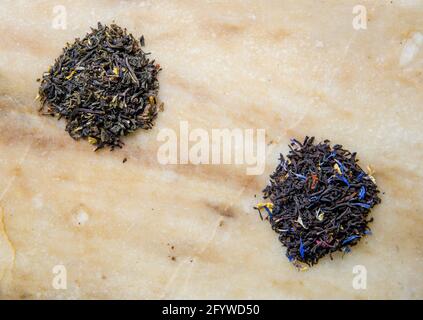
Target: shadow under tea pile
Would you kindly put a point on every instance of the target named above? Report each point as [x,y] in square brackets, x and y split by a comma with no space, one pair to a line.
[319,200]
[103,85]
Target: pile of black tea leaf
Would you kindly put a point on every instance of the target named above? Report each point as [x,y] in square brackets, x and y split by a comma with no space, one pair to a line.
[320,199]
[103,85]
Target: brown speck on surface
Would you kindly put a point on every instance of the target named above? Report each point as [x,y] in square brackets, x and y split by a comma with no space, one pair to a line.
[222,210]
[17,171]
[24,296]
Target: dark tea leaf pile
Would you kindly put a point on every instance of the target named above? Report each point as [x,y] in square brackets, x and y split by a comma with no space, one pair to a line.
[320,199]
[103,85]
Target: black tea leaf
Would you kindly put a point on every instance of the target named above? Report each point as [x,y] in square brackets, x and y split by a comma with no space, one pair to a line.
[103,85]
[320,200]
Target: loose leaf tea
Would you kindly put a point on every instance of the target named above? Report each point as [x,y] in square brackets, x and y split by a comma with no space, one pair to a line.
[103,85]
[320,199]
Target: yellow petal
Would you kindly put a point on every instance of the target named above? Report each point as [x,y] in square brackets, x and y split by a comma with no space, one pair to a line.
[370,173]
[92,140]
[152,100]
[319,215]
[300,266]
[268,205]
[71,75]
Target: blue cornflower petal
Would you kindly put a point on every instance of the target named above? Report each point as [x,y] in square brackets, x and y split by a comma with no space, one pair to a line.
[269,212]
[362,192]
[314,198]
[300,176]
[350,238]
[341,166]
[360,176]
[301,248]
[346,249]
[332,155]
[364,205]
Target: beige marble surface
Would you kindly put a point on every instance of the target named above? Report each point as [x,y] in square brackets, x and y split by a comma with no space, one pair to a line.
[295,68]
